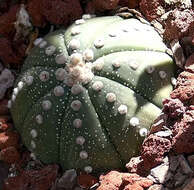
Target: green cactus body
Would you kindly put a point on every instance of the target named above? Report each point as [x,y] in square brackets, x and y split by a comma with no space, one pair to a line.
[87,96]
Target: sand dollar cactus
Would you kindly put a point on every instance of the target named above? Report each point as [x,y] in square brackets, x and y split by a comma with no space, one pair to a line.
[86,96]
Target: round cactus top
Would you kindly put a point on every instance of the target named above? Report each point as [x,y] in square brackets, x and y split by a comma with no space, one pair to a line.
[87,95]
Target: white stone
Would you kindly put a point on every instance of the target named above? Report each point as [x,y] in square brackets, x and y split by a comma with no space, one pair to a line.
[77,123]
[143,132]
[44,76]
[75,30]
[46,105]
[150,69]
[76,58]
[98,43]
[134,121]
[76,105]
[39,119]
[33,144]
[162,74]
[76,89]
[60,74]
[60,59]
[20,85]
[97,86]
[74,44]
[122,109]
[80,140]
[111,97]
[37,41]
[88,169]
[42,44]
[33,133]
[83,155]
[58,91]
[88,55]
[29,80]
[50,50]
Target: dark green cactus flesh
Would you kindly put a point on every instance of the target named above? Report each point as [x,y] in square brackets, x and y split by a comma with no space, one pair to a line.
[87,96]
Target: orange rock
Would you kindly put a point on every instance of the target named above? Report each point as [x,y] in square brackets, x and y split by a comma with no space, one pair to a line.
[9,138]
[10,155]
[7,20]
[129,3]
[115,180]
[86,180]
[34,10]
[33,179]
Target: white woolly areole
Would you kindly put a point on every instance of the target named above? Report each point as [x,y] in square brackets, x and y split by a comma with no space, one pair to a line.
[44,76]
[39,119]
[79,21]
[77,123]
[46,105]
[133,64]
[75,30]
[173,81]
[33,144]
[74,44]
[58,91]
[88,55]
[98,43]
[80,140]
[37,41]
[143,132]
[50,50]
[13,97]
[60,59]
[29,80]
[88,169]
[76,58]
[111,97]
[33,133]
[60,74]
[97,86]
[150,69]
[98,64]
[162,74]
[15,91]
[116,63]
[9,104]
[122,109]
[134,121]
[76,89]
[42,44]
[76,105]
[83,154]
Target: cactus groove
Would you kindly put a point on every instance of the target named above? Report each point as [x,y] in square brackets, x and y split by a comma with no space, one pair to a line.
[87,95]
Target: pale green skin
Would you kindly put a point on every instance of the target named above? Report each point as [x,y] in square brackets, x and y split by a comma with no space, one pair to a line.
[110,140]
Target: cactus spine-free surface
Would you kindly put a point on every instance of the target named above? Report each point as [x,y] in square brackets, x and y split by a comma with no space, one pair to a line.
[86,96]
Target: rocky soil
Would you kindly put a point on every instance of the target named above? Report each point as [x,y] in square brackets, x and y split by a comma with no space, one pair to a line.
[166,160]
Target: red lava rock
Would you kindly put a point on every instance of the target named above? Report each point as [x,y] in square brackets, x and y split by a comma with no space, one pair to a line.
[33,179]
[152,9]
[12,52]
[178,24]
[189,66]
[100,5]
[61,12]
[128,3]
[86,180]
[35,12]
[7,20]
[153,150]
[115,180]
[183,134]
[3,107]
[8,138]
[185,87]
[10,155]
[173,107]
